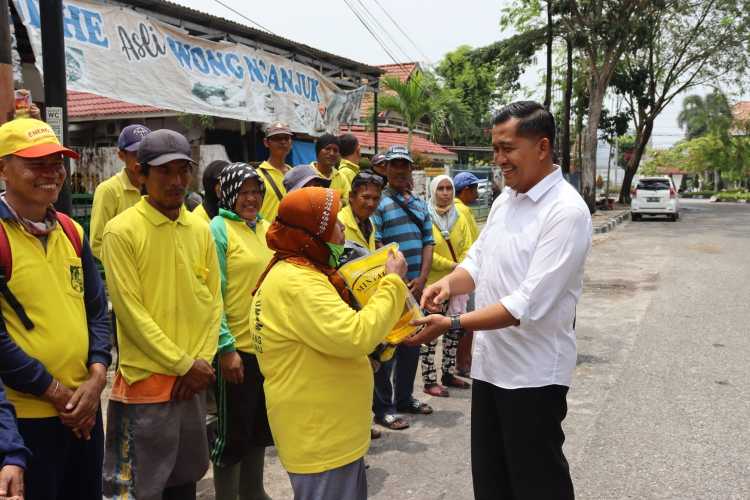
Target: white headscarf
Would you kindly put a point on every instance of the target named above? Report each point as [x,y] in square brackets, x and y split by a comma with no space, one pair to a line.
[442,218]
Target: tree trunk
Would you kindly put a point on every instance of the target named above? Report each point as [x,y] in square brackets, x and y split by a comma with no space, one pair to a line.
[548,89]
[408,139]
[588,173]
[565,162]
[641,142]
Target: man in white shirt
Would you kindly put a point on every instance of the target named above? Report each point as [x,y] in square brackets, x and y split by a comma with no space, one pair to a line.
[527,270]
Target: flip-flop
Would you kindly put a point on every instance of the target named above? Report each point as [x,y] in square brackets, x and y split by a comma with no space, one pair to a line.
[392,422]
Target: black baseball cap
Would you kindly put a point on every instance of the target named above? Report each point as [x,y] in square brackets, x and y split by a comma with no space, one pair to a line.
[162,146]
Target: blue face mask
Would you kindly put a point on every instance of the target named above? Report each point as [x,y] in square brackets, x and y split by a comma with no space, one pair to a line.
[336,252]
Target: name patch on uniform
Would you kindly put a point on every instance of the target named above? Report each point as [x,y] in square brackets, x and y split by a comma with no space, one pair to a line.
[76,278]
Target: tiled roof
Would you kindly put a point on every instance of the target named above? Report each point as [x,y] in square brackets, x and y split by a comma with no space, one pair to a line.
[402,71]
[85,105]
[741,111]
[388,137]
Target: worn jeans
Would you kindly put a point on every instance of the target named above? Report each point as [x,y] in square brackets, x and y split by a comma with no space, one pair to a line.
[390,396]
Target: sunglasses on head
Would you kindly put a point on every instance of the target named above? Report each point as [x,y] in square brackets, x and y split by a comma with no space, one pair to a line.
[367,177]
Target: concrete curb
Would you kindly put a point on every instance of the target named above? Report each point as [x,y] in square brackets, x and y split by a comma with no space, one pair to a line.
[613,222]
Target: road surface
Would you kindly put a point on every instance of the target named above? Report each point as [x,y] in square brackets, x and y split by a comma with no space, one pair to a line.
[659,406]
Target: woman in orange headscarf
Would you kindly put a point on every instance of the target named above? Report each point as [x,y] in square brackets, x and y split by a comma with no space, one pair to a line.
[312,347]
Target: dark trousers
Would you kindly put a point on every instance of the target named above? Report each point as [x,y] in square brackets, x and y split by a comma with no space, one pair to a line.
[516,443]
[404,364]
[62,466]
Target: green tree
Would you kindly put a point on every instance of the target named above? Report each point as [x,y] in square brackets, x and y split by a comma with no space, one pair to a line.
[686,44]
[472,81]
[422,97]
[702,115]
[604,30]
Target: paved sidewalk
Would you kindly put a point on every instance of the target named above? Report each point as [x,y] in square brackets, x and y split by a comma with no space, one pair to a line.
[606,220]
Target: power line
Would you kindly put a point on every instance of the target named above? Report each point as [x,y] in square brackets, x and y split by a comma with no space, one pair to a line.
[372,33]
[407,57]
[398,26]
[243,16]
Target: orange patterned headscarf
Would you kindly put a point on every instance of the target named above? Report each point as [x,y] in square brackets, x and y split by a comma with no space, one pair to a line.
[306,221]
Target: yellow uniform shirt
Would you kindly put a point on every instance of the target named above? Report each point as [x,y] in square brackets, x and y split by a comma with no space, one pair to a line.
[270,206]
[442,260]
[243,256]
[352,232]
[342,179]
[112,197]
[200,211]
[49,285]
[163,280]
[312,349]
[468,213]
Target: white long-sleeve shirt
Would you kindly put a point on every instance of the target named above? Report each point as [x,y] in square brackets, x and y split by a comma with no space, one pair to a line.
[530,257]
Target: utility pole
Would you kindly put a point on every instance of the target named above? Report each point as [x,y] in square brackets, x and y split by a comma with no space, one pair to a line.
[375,114]
[55,87]
[7,99]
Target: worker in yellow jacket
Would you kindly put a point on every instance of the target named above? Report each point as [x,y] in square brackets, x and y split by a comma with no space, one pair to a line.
[312,347]
[164,283]
[348,166]
[467,185]
[278,140]
[467,193]
[364,197]
[121,191]
[242,433]
[452,235]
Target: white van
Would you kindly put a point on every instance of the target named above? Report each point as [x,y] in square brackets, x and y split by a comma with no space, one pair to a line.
[655,196]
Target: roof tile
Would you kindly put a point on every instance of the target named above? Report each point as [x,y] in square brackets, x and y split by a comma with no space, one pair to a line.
[83,104]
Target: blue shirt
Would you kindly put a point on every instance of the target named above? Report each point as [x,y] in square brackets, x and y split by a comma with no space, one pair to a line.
[392,224]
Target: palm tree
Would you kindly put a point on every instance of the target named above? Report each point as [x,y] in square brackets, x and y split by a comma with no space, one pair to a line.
[421,96]
[701,116]
[410,99]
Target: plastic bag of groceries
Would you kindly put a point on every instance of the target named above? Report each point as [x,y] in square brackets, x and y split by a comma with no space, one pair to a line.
[362,276]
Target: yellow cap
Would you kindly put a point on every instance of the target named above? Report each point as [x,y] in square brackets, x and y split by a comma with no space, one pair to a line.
[30,138]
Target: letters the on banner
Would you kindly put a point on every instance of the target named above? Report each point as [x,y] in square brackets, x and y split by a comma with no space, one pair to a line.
[116,52]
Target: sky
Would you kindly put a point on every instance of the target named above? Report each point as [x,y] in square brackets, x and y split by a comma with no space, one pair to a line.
[435,26]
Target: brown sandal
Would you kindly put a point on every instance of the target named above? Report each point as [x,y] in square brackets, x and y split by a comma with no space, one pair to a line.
[392,422]
[453,381]
[436,390]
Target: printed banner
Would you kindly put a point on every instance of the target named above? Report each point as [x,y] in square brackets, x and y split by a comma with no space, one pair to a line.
[117,52]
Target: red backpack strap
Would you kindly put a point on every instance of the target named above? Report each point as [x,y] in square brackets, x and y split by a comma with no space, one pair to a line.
[6,257]
[69,227]
[6,261]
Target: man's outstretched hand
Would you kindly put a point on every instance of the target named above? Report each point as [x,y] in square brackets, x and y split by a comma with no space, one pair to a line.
[434,326]
[435,295]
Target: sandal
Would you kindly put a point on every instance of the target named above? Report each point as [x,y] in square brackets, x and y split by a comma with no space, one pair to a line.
[392,422]
[417,408]
[375,434]
[453,381]
[436,390]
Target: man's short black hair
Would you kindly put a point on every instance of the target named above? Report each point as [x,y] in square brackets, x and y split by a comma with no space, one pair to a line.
[534,120]
[348,144]
[324,141]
